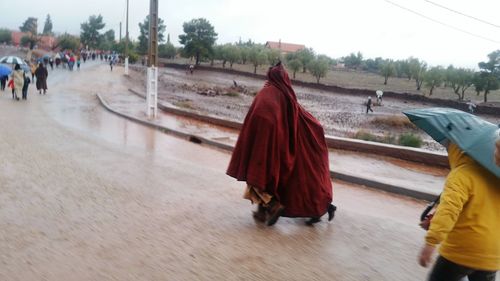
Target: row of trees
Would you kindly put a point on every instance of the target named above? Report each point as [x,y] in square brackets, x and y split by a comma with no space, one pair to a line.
[199,40]
[30,27]
[93,37]
[485,80]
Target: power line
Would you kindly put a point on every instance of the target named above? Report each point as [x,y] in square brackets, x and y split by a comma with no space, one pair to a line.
[462,14]
[442,23]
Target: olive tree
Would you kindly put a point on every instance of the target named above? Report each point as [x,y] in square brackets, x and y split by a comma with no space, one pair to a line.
[294,66]
[387,70]
[257,57]
[433,78]
[318,68]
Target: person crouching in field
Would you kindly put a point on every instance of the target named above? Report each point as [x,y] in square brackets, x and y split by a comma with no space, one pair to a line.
[466,223]
[281,154]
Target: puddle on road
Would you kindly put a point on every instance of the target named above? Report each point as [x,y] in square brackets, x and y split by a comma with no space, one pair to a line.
[83,113]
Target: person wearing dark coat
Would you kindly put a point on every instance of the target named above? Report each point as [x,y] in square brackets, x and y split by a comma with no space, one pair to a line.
[281,154]
[369,105]
[27,82]
[41,74]
[3,82]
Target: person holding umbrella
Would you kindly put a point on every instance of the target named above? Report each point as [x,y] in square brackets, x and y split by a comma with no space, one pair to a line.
[466,223]
[4,75]
[3,82]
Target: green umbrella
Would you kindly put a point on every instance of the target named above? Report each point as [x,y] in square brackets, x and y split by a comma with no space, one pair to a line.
[475,136]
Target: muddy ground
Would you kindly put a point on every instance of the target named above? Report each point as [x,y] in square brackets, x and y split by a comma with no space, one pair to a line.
[341,115]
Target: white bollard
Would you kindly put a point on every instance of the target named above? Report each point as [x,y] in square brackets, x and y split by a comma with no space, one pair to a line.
[126,66]
[152,92]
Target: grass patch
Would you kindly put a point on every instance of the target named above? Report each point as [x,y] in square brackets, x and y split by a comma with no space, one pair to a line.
[364,135]
[409,139]
[398,122]
[184,104]
[406,139]
[232,94]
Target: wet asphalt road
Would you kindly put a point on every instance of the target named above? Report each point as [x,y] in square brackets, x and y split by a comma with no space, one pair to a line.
[86,195]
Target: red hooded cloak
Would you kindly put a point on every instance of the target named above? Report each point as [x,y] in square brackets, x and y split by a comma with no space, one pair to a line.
[282,150]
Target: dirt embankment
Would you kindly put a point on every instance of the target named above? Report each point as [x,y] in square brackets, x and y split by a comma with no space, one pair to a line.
[490,108]
[228,95]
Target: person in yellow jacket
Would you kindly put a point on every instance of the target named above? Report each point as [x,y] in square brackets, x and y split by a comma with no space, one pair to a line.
[466,224]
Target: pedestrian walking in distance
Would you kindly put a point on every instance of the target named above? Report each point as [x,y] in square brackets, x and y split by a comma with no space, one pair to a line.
[27,82]
[111,64]
[466,223]
[18,78]
[369,105]
[41,74]
[282,156]
[3,82]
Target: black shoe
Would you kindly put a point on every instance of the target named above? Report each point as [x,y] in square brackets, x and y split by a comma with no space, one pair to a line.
[312,221]
[331,211]
[260,214]
[275,210]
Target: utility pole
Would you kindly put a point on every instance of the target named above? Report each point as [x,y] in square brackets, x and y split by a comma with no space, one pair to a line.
[126,43]
[152,73]
[119,41]
[153,34]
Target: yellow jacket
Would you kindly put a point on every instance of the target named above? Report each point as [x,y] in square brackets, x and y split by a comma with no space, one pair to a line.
[467,219]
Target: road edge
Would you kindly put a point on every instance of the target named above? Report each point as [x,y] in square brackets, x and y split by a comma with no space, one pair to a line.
[336,175]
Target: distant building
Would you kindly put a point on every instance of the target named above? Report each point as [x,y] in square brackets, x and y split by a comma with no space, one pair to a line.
[16,37]
[46,42]
[283,47]
[340,64]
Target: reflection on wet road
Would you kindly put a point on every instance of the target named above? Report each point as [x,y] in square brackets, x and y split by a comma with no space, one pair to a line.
[86,195]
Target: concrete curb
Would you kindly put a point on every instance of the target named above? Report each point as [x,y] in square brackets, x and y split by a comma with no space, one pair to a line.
[406,153]
[340,176]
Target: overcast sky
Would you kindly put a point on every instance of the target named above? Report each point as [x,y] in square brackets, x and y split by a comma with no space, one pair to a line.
[332,27]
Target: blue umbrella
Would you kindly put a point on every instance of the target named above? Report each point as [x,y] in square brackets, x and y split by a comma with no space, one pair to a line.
[5,70]
[475,136]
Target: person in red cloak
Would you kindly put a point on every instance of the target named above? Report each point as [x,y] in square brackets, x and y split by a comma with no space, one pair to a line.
[282,155]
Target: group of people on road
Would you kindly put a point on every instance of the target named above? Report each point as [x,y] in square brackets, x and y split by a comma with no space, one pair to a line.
[19,81]
[281,154]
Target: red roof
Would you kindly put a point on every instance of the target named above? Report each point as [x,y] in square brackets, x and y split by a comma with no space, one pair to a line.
[285,47]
